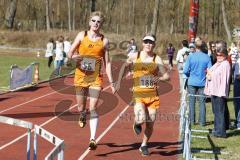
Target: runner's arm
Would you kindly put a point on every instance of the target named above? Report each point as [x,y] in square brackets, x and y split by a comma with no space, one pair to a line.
[164,74]
[71,53]
[107,61]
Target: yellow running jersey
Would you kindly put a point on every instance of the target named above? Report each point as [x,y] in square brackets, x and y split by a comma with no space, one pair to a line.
[144,90]
[88,72]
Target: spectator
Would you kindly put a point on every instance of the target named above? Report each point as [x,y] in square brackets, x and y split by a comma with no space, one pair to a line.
[192,49]
[132,47]
[59,58]
[236,91]
[170,53]
[179,60]
[195,69]
[234,54]
[66,48]
[212,52]
[217,86]
[50,51]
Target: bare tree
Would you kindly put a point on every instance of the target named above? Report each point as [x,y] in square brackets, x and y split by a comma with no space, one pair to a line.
[213,18]
[10,14]
[69,15]
[93,5]
[225,22]
[155,17]
[183,15]
[58,11]
[133,16]
[73,14]
[47,15]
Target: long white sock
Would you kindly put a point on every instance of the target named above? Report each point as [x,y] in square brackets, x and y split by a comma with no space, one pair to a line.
[143,144]
[93,123]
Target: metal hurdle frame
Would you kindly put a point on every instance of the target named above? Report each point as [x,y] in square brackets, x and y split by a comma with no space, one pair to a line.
[59,143]
[23,124]
[186,132]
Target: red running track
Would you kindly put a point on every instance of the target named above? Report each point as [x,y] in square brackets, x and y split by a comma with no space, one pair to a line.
[44,105]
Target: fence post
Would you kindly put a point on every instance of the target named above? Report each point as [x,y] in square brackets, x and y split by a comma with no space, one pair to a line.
[35,145]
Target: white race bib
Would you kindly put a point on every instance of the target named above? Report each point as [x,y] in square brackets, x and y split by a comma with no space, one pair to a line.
[146,82]
[88,64]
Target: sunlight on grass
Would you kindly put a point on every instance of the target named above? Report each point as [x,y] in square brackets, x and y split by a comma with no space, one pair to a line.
[229,146]
[22,62]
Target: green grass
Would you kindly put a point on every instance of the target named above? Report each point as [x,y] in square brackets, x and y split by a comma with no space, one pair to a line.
[231,145]
[22,62]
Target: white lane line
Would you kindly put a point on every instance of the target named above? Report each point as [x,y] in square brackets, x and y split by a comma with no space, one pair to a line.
[33,100]
[104,132]
[43,124]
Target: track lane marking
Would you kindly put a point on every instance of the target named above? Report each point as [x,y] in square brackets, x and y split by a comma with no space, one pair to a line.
[104,132]
[43,124]
[33,100]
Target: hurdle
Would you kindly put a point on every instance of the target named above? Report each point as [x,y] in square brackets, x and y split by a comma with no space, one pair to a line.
[23,124]
[59,144]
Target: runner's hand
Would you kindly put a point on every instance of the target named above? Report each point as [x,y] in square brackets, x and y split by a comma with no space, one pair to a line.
[117,86]
[113,88]
[156,80]
[77,58]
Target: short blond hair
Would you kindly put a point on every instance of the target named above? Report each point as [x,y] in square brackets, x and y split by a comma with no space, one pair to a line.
[99,14]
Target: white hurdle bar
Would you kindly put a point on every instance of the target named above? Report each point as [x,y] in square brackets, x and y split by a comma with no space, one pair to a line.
[59,144]
[23,124]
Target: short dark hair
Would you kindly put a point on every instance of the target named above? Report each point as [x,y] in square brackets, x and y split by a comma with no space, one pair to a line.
[185,43]
[221,47]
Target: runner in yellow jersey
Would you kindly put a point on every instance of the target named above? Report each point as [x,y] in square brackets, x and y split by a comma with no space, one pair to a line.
[146,67]
[89,49]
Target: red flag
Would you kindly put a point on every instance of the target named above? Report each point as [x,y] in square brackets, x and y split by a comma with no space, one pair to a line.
[193,19]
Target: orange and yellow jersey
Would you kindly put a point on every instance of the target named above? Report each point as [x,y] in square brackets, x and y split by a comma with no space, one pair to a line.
[88,72]
[143,74]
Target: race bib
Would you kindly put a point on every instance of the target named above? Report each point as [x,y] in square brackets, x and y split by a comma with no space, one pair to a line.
[146,82]
[88,64]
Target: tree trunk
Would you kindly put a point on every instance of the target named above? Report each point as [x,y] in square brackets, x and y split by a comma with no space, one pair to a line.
[218,19]
[172,26]
[133,16]
[225,22]
[155,17]
[93,5]
[69,15]
[183,15]
[58,12]
[10,14]
[129,15]
[52,20]
[205,16]
[73,14]
[47,15]
[213,19]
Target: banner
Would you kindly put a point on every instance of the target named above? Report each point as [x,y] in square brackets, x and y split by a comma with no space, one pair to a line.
[193,19]
[20,77]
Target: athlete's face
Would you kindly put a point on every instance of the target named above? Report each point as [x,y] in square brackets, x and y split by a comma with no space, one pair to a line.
[148,45]
[95,23]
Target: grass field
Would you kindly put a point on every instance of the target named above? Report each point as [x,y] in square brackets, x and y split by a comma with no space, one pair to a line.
[6,61]
[228,146]
[22,61]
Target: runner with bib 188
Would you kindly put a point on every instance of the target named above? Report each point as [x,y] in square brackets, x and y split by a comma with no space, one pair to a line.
[146,68]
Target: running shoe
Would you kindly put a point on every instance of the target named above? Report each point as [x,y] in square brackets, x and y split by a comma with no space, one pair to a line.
[82,119]
[144,150]
[92,144]
[137,128]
